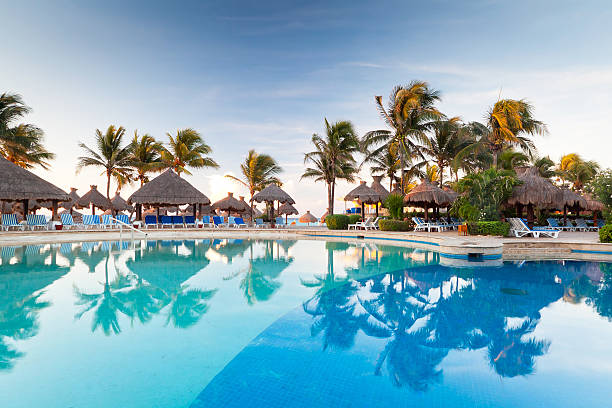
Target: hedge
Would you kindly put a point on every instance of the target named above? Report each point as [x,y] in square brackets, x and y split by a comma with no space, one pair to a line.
[337,222]
[354,218]
[497,228]
[394,225]
[605,233]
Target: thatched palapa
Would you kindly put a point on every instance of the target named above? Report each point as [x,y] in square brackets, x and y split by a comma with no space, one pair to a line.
[94,199]
[535,190]
[119,204]
[286,210]
[364,195]
[168,189]
[308,218]
[427,194]
[230,204]
[273,193]
[72,201]
[593,204]
[379,188]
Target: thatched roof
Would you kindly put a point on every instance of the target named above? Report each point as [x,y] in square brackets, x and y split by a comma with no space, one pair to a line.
[569,198]
[73,199]
[287,209]
[168,189]
[308,217]
[396,189]
[119,204]
[451,193]
[17,183]
[363,194]
[592,204]
[230,204]
[273,193]
[428,194]
[535,190]
[379,188]
[93,196]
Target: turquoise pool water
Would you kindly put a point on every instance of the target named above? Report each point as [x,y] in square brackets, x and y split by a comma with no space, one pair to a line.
[222,323]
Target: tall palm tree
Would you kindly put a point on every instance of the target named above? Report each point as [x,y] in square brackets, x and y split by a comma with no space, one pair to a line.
[576,170]
[21,144]
[386,163]
[333,157]
[446,141]
[545,166]
[110,154]
[509,123]
[509,159]
[187,149]
[145,156]
[410,115]
[258,171]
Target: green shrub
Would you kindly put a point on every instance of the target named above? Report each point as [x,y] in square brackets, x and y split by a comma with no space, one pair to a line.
[337,222]
[497,228]
[394,225]
[395,204]
[354,218]
[605,233]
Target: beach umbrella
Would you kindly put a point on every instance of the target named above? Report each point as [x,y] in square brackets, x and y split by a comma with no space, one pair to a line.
[535,191]
[18,184]
[287,209]
[167,189]
[364,195]
[308,218]
[94,199]
[273,193]
[230,204]
[426,195]
[119,204]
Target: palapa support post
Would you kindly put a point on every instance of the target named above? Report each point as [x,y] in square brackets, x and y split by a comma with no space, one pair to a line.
[26,206]
[93,209]
[530,215]
[54,205]
[426,208]
[362,211]
[139,212]
[519,210]
[377,210]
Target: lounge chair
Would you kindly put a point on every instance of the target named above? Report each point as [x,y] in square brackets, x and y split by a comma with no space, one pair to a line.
[207,222]
[36,221]
[10,221]
[582,225]
[520,229]
[553,223]
[122,219]
[259,223]
[218,221]
[92,221]
[165,220]
[67,221]
[178,221]
[239,222]
[361,224]
[190,220]
[107,222]
[422,225]
[601,223]
[151,221]
[230,221]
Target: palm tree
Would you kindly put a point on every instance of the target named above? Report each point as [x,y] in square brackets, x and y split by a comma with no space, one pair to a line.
[114,158]
[509,123]
[509,159]
[333,157]
[258,171]
[187,149]
[545,166]
[145,156]
[574,169]
[447,140]
[21,144]
[386,163]
[410,115]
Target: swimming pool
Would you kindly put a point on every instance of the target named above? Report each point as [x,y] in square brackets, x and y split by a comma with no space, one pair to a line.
[264,323]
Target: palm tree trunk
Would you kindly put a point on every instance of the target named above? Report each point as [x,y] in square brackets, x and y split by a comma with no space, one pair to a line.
[401,153]
[108,177]
[441,170]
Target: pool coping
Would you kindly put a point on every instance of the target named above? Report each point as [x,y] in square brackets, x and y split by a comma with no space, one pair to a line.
[453,249]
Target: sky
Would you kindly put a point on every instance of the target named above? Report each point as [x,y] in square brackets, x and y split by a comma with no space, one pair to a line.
[265,75]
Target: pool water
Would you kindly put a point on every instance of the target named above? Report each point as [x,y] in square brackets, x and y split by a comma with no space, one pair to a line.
[263,323]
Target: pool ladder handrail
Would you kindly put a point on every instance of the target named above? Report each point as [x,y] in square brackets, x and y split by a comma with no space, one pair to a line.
[131,227]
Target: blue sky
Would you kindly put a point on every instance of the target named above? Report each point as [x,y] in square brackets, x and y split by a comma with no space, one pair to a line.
[264,75]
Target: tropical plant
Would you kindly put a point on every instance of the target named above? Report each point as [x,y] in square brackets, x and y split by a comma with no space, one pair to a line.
[410,115]
[432,173]
[145,156]
[483,193]
[21,144]
[509,159]
[545,166]
[110,155]
[601,187]
[509,123]
[258,171]
[395,204]
[386,163]
[333,157]
[447,140]
[574,169]
[187,149]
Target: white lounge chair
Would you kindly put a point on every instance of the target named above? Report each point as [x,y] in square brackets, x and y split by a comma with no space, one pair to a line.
[520,229]
[582,225]
[361,224]
[422,225]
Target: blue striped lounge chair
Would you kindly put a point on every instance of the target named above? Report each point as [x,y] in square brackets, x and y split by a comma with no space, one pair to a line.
[239,222]
[190,220]
[91,221]
[107,221]
[123,219]
[218,221]
[67,221]
[178,221]
[207,221]
[10,221]
[230,221]
[582,225]
[150,221]
[36,221]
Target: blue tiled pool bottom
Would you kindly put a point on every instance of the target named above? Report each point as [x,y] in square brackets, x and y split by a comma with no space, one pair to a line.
[229,322]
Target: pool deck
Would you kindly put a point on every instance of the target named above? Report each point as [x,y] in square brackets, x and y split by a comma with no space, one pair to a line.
[569,245]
